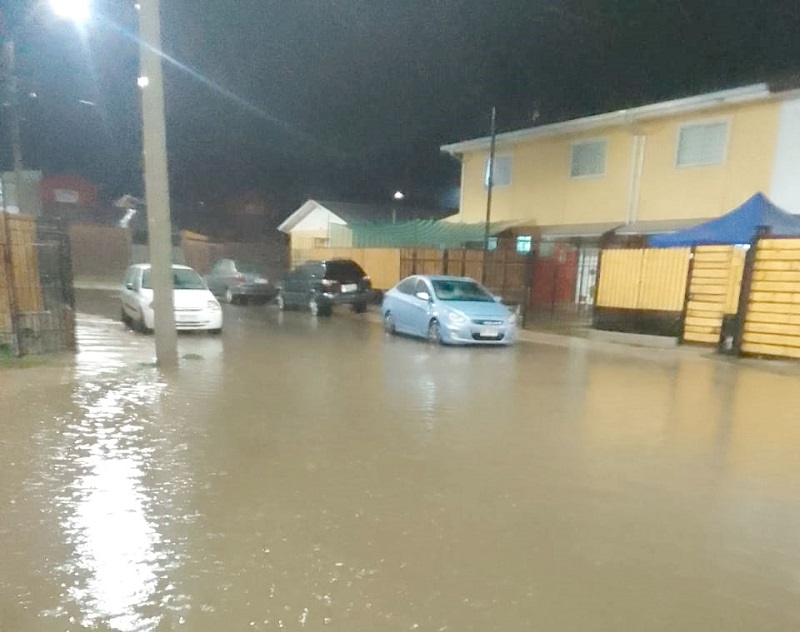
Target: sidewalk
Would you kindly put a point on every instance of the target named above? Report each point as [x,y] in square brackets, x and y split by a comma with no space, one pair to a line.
[92,283]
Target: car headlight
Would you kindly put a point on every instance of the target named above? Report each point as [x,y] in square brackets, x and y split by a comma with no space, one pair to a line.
[456,318]
[512,319]
[213,306]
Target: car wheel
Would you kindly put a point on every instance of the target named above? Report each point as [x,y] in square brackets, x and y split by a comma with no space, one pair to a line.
[215,332]
[280,302]
[388,323]
[435,333]
[125,318]
[229,297]
[359,308]
[313,306]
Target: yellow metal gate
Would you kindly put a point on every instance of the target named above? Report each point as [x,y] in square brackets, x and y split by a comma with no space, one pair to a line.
[714,288]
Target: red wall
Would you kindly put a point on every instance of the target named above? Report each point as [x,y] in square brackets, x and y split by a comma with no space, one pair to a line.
[86,191]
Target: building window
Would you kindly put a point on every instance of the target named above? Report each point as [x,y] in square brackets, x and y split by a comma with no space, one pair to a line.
[524,244]
[502,172]
[588,159]
[702,144]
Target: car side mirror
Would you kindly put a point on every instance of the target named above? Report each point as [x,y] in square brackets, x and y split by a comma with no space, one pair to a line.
[423,296]
[498,299]
[129,286]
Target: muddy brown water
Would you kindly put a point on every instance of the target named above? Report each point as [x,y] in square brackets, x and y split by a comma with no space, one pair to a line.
[300,474]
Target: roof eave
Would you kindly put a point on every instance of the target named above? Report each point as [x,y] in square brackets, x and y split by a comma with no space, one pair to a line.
[287,225]
[747,94]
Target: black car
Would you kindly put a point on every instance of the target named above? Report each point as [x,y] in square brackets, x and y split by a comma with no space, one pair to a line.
[319,285]
[239,282]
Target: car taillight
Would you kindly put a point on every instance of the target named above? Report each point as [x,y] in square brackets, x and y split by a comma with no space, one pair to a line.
[328,283]
[239,277]
[367,278]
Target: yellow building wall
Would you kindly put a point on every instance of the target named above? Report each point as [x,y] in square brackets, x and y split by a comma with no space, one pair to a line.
[671,192]
[542,191]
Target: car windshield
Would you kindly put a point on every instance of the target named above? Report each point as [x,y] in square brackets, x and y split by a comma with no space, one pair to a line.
[343,271]
[246,267]
[460,290]
[182,279]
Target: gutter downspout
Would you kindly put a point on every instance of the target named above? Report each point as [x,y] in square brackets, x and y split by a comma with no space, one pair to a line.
[637,166]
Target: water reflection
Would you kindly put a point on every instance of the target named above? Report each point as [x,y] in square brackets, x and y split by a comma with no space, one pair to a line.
[324,476]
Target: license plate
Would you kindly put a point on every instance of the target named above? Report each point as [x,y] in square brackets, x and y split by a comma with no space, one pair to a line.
[349,287]
[180,318]
[489,332]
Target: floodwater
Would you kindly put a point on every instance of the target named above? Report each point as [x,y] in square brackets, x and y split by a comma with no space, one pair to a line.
[300,474]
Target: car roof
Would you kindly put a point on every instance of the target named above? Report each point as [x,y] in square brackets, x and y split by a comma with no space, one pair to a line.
[147,266]
[444,277]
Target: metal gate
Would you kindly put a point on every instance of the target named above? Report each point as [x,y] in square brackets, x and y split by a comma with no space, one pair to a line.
[714,286]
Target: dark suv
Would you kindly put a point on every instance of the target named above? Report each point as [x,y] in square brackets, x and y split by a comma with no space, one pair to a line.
[319,285]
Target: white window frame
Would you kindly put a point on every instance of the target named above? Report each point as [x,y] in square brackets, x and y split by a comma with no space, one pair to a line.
[486,170]
[588,141]
[701,123]
[523,239]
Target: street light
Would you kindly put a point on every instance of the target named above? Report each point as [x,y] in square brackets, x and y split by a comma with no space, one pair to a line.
[78,11]
[398,196]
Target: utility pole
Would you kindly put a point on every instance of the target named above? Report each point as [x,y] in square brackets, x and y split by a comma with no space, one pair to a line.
[157,183]
[489,187]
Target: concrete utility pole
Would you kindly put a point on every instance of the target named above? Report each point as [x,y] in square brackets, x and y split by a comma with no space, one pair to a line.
[489,187]
[157,183]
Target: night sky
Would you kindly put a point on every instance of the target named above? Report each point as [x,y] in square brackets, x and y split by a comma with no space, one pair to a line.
[350,99]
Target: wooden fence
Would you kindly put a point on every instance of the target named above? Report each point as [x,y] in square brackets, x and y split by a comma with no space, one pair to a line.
[20,290]
[99,251]
[507,272]
[643,279]
[714,285]
[36,300]
[756,290]
[772,322]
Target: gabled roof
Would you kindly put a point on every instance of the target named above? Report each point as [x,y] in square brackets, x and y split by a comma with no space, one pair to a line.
[356,213]
[748,94]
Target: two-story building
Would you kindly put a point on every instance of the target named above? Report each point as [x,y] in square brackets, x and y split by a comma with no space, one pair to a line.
[644,170]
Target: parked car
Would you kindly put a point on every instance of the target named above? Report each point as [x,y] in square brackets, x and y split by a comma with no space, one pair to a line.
[320,285]
[195,306]
[448,310]
[239,282]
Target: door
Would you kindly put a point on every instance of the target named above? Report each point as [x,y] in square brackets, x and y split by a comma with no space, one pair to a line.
[289,287]
[420,310]
[402,305]
[130,292]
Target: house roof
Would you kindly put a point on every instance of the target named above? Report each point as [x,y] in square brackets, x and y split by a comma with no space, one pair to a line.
[355,213]
[748,94]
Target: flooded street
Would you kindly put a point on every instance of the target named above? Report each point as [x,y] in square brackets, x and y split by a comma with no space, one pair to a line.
[303,474]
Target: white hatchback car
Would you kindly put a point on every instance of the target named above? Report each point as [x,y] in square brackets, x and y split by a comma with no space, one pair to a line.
[195,306]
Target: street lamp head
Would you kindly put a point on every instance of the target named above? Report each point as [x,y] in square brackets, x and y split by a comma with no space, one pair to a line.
[399,195]
[77,11]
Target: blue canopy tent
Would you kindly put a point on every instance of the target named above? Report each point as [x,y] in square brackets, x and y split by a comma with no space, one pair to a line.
[737,227]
